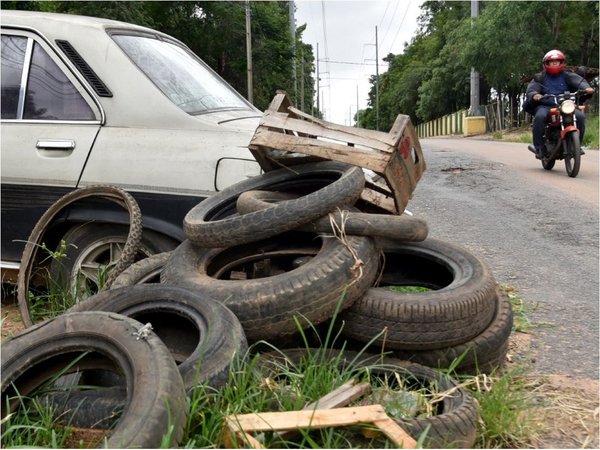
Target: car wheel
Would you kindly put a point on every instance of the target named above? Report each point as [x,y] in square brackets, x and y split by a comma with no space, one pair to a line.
[327,185]
[155,402]
[268,302]
[93,252]
[459,304]
[36,238]
[202,334]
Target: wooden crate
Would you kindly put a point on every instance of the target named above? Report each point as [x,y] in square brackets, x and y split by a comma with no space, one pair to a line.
[395,163]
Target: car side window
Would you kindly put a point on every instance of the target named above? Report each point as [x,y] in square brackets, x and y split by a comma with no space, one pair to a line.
[13,54]
[47,93]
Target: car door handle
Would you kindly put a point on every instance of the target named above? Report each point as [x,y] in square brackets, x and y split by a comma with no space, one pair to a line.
[55,144]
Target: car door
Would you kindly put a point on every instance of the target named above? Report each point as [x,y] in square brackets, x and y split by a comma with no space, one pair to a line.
[48,125]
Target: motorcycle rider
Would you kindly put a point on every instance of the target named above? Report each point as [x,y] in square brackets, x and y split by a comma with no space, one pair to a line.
[553,80]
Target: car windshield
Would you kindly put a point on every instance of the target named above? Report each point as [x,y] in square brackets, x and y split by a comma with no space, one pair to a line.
[187,81]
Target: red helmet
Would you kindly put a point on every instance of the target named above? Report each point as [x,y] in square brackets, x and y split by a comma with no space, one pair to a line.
[554,55]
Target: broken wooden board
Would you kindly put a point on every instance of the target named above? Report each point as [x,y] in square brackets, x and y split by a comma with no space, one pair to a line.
[288,136]
[238,427]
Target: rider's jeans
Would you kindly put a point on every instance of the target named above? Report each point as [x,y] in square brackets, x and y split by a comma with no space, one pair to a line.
[539,122]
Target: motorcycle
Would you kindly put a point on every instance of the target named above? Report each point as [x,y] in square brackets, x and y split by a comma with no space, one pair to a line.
[561,136]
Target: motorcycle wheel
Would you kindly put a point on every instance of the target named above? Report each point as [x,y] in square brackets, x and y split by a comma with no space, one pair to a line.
[548,164]
[572,154]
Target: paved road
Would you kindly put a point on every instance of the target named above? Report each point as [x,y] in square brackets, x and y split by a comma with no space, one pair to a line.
[537,229]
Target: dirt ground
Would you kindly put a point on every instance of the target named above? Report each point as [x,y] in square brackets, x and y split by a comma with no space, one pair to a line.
[568,407]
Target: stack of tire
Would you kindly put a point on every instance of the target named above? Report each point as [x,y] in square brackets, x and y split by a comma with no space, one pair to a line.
[342,264]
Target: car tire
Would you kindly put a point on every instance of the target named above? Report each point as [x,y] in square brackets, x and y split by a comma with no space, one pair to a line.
[484,353]
[156,402]
[460,306]
[452,425]
[203,335]
[267,306]
[145,271]
[36,236]
[401,227]
[213,222]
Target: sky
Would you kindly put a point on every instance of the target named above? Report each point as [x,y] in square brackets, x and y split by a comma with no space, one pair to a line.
[345,33]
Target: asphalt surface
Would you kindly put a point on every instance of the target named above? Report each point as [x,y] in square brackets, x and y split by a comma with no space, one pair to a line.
[536,229]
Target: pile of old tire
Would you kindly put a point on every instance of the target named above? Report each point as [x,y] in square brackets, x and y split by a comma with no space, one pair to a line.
[291,249]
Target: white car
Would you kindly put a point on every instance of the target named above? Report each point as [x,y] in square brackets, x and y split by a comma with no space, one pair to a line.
[88,101]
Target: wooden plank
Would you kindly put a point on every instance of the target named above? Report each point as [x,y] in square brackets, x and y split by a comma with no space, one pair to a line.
[279,121]
[342,396]
[395,433]
[373,134]
[240,425]
[268,140]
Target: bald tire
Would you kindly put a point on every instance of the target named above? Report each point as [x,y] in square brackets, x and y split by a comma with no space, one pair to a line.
[459,306]
[214,222]
[155,404]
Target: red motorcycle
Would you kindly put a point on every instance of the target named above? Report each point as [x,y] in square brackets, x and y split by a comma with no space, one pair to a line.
[561,136]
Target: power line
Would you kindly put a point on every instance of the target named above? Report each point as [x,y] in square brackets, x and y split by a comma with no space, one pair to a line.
[400,26]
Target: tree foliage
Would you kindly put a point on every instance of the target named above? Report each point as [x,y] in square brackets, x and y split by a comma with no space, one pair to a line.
[505,44]
[216,31]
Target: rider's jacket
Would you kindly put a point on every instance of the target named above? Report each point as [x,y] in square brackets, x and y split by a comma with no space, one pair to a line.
[543,83]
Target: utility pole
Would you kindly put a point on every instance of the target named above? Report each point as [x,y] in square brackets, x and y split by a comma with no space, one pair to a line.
[357,110]
[318,89]
[302,78]
[249,53]
[376,80]
[474,109]
[293,33]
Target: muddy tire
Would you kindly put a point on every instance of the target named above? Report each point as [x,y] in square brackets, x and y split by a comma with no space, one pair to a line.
[35,239]
[453,424]
[145,271]
[404,228]
[267,306]
[203,335]
[213,222]
[155,398]
[459,306]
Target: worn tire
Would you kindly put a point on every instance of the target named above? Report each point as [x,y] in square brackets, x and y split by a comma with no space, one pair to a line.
[454,425]
[267,306]
[460,306]
[402,227]
[326,185]
[203,335]
[155,398]
[484,353]
[144,271]
[34,241]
